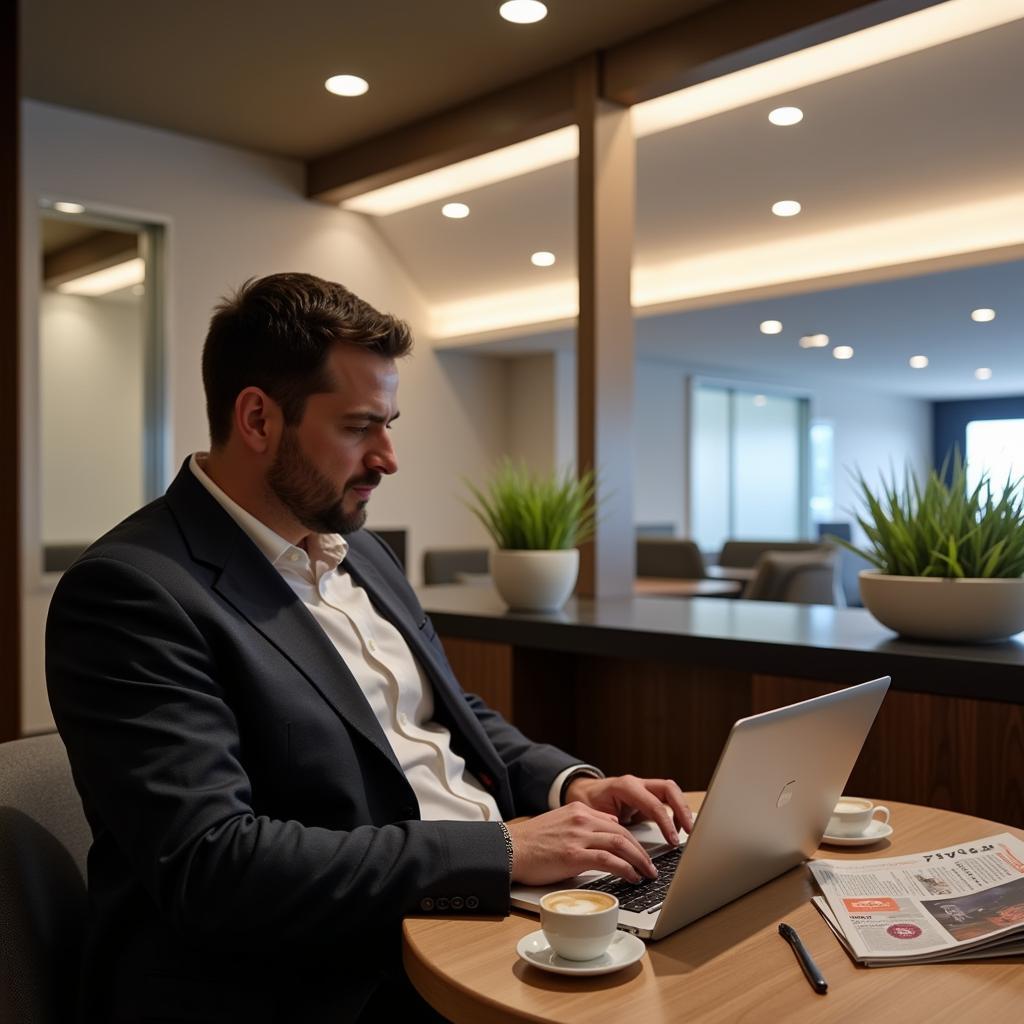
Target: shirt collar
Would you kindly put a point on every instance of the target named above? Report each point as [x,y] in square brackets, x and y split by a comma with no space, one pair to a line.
[329,548]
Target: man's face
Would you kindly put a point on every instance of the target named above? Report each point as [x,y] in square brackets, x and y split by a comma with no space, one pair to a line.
[326,467]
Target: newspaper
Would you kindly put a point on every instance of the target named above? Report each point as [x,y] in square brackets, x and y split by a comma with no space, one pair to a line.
[959,902]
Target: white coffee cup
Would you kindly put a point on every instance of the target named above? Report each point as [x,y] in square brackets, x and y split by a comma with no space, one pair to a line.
[852,817]
[579,923]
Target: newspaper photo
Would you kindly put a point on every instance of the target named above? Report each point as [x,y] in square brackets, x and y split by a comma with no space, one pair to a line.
[923,907]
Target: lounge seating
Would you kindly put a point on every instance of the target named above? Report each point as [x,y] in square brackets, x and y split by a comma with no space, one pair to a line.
[799,577]
[669,557]
[743,554]
[446,565]
[44,839]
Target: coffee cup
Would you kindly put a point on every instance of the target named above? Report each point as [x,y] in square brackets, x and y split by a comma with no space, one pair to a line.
[579,924]
[852,817]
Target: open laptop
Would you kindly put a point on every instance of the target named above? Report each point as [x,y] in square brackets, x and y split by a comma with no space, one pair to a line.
[771,796]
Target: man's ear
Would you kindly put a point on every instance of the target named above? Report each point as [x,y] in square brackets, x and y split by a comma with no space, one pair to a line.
[258,420]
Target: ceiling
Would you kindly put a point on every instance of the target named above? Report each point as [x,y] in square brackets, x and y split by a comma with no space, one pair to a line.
[919,134]
[251,72]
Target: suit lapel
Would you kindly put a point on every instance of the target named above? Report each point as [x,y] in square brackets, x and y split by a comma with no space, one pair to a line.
[255,589]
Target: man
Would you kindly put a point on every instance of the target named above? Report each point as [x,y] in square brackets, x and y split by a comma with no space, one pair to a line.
[273,754]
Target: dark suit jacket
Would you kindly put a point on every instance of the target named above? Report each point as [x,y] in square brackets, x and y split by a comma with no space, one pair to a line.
[256,843]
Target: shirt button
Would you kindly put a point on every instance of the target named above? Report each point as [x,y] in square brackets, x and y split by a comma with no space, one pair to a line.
[403,720]
[371,644]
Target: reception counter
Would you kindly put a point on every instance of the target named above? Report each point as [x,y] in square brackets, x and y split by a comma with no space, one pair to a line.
[652,685]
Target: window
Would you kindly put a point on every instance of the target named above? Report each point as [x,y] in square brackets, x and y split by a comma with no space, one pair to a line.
[749,478]
[995,447]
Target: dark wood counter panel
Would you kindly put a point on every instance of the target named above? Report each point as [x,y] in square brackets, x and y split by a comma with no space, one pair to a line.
[652,685]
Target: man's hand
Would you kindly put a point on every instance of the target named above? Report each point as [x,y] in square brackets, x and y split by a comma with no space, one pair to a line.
[631,799]
[572,839]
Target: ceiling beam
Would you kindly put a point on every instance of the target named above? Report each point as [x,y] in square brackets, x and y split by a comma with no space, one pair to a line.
[731,35]
[98,251]
[716,40]
[514,114]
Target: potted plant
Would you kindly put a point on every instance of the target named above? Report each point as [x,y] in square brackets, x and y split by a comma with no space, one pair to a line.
[949,560]
[536,521]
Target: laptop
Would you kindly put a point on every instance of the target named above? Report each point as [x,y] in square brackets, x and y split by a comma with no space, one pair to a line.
[767,806]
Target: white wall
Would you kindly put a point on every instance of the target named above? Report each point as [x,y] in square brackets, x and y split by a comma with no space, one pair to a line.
[232,214]
[873,432]
[91,384]
[659,445]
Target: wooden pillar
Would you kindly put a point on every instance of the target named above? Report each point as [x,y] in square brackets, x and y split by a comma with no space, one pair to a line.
[10,547]
[606,197]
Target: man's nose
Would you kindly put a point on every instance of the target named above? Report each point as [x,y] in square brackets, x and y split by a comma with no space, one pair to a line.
[382,458]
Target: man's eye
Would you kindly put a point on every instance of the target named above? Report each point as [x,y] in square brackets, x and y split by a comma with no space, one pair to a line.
[358,431]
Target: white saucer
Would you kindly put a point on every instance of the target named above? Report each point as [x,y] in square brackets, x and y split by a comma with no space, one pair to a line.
[877,831]
[625,949]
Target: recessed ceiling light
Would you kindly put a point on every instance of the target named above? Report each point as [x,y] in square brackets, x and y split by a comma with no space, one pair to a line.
[842,352]
[786,208]
[69,207]
[543,259]
[771,326]
[783,116]
[455,210]
[983,316]
[346,85]
[760,401]
[523,12]
[816,341]
[983,373]
[918,362]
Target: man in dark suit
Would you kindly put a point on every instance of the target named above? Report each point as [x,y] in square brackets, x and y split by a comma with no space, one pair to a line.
[274,756]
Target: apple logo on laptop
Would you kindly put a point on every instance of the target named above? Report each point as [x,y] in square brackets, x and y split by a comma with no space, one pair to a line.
[787,794]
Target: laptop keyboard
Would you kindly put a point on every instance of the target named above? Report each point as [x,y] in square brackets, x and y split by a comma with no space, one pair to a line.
[648,894]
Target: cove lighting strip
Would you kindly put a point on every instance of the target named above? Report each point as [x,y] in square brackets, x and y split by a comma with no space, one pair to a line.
[546,150]
[109,279]
[889,40]
[896,38]
[911,238]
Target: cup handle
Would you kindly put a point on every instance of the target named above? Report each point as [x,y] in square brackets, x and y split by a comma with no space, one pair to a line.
[884,810]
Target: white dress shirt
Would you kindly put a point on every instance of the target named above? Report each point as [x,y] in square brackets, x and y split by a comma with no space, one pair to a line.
[382,663]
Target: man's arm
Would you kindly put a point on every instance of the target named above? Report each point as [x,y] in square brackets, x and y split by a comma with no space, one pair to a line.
[156,754]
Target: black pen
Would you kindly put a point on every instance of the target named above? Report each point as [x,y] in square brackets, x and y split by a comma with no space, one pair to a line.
[814,976]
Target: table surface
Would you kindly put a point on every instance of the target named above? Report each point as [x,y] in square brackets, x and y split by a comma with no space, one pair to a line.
[731,965]
[731,572]
[666,586]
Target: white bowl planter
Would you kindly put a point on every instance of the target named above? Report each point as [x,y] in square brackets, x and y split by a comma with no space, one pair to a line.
[958,610]
[535,581]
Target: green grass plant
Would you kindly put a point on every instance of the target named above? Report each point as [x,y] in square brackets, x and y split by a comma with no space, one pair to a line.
[523,511]
[942,529]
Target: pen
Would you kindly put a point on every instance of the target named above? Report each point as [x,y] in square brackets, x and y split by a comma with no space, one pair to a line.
[814,975]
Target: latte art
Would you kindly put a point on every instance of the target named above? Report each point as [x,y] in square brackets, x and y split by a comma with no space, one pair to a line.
[578,902]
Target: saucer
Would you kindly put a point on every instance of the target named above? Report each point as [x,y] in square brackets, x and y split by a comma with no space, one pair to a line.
[625,949]
[876,832]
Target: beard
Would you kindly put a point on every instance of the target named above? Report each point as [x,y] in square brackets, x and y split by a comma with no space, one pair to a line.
[310,496]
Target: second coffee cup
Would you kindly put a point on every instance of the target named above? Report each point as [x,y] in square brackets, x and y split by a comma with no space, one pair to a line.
[852,817]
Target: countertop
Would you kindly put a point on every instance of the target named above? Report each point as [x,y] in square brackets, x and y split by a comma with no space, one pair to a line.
[808,641]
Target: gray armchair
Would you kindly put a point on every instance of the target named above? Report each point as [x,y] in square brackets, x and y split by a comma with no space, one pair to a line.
[799,577]
[669,557]
[44,839]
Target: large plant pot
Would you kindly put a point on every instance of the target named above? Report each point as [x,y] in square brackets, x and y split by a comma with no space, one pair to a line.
[961,611]
[535,581]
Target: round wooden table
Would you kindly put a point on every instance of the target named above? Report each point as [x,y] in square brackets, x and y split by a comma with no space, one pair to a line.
[730,966]
[657,586]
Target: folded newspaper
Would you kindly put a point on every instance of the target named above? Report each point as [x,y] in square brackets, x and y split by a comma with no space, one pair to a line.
[962,902]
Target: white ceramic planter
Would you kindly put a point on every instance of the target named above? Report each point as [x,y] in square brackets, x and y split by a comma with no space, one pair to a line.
[961,611]
[535,581]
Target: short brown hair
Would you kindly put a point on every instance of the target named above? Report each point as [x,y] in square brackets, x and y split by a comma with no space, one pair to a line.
[275,333]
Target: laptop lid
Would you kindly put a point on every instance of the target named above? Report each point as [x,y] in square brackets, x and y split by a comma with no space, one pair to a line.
[769,800]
